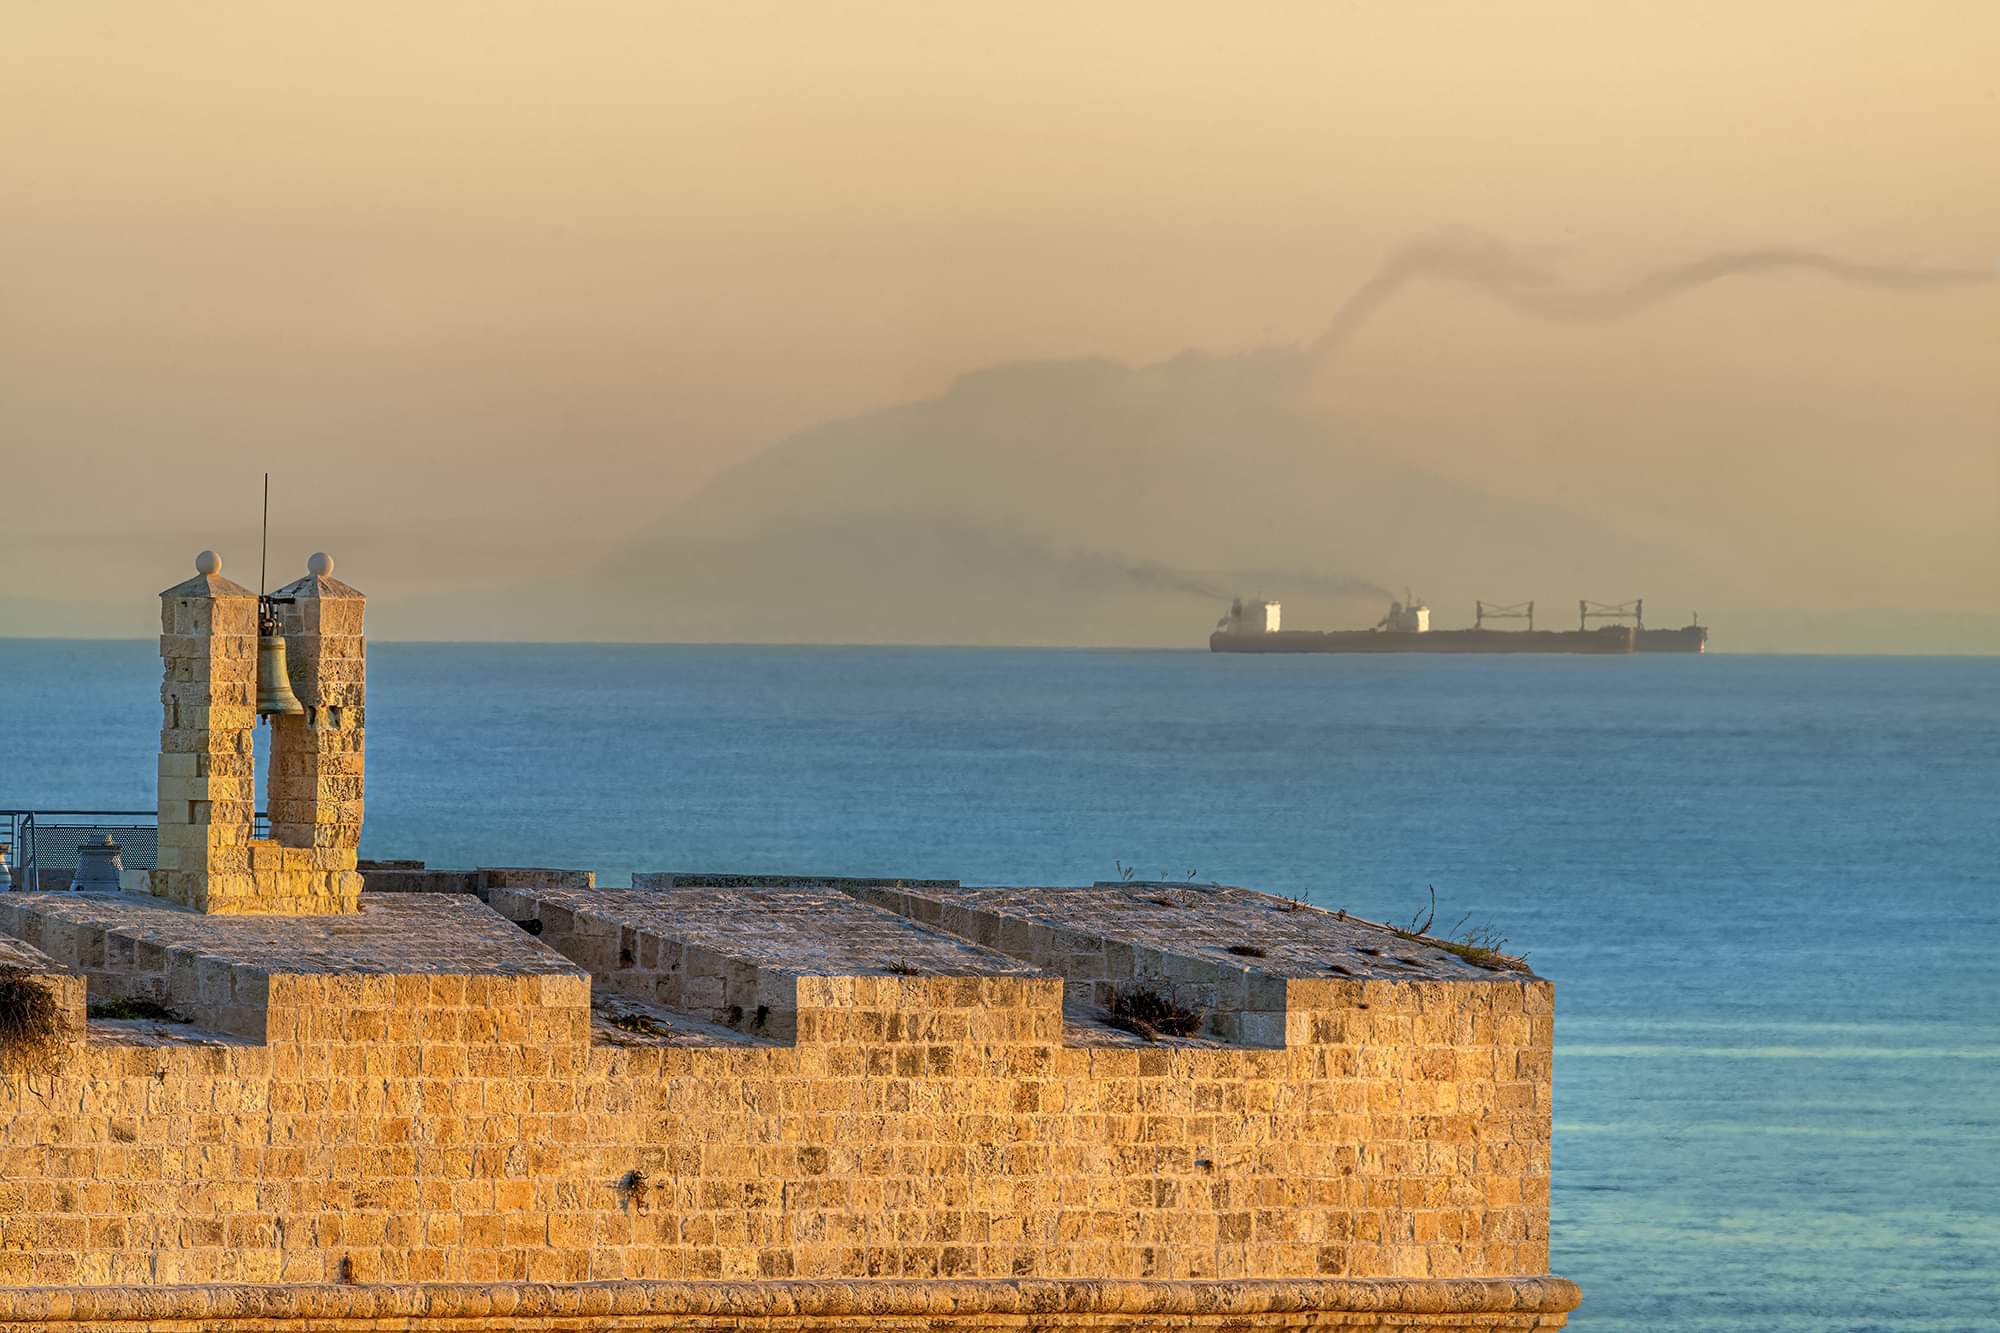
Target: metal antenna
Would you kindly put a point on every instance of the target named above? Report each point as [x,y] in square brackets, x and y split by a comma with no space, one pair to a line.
[264,555]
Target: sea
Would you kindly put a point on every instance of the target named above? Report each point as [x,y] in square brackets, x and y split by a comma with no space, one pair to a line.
[1767,888]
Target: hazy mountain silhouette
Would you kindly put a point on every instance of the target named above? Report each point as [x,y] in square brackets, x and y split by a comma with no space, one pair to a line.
[1088,502]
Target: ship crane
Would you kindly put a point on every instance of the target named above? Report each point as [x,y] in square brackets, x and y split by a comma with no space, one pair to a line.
[1481,613]
[1635,611]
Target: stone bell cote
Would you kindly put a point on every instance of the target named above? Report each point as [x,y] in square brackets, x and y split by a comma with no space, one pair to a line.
[209,858]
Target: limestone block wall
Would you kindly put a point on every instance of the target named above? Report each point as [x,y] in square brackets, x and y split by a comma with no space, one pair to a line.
[416,877]
[207,764]
[426,1123]
[317,758]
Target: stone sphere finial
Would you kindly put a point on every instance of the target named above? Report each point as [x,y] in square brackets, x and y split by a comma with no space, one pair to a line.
[320,564]
[208,562]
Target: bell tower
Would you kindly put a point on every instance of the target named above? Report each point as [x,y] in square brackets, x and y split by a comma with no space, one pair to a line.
[211,697]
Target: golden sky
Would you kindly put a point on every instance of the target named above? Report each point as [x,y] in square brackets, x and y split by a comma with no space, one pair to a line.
[491,287]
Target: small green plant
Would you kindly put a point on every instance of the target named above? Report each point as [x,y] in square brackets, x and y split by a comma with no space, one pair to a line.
[1486,955]
[1481,946]
[902,969]
[1420,922]
[1152,1014]
[128,1008]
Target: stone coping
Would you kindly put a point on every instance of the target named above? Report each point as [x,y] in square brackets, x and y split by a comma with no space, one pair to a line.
[1216,925]
[685,879]
[735,957]
[422,1305]
[255,977]
[398,934]
[808,931]
[21,956]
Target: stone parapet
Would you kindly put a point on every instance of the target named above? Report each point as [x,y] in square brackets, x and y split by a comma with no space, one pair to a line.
[423,1092]
[312,980]
[416,877]
[685,879]
[1234,956]
[736,959]
[534,877]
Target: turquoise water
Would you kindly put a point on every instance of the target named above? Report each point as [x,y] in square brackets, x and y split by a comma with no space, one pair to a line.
[1768,888]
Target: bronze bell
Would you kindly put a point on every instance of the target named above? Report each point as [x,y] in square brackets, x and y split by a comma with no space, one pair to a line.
[274,682]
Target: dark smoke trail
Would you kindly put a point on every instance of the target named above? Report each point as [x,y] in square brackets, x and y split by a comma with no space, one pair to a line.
[1522,281]
[989,549]
[1280,583]
[1145,573]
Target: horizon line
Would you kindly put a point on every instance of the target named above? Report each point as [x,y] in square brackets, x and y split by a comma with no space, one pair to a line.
[978,647]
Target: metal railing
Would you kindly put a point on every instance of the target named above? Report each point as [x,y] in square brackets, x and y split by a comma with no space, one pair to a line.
[42,844]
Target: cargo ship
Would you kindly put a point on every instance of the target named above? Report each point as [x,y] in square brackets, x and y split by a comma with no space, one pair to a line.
[1257,627]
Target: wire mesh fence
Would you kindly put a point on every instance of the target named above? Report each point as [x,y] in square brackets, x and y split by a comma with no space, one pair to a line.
[42,846]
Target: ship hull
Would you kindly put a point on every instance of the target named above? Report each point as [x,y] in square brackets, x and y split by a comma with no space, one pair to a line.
[1616,640]
[1688,639]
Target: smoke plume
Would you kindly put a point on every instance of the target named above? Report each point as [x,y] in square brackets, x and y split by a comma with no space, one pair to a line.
[986,548]
[1524,281]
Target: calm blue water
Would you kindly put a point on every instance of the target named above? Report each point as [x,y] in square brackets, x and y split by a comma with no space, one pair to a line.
[1766,887]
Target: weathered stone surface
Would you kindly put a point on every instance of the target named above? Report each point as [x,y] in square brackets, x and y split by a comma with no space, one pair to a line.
[535,877]
[735,957]
[683,879]
[222,970]
[1232,955]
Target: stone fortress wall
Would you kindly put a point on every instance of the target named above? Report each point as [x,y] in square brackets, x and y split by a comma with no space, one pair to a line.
[423,1092]
[528,1102]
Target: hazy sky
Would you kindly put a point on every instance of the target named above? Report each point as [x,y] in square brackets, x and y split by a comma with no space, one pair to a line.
[491,287]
